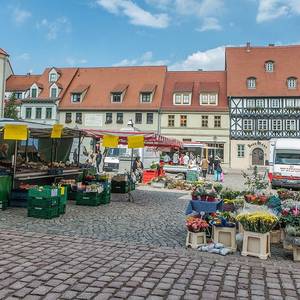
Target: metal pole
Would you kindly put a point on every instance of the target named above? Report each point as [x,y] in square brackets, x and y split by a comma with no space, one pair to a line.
[79,144]
[15,162]
[131,161]
[51,153]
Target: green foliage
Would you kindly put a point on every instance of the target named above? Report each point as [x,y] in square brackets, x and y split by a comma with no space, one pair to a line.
[255,182]
[10,109]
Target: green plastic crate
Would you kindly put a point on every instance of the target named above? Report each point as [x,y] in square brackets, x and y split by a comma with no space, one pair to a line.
[88,199]
[43,202]
[64,197]
[44,191]
[62,208]
[43,213]
[105,198]
[192,176]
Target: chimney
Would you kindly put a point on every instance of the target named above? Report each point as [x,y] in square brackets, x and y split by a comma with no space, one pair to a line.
[271,45]
[200,70]
[28,74]
[248,47]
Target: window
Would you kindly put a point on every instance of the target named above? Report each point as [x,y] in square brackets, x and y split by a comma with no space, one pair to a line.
[204,121]
[276,125]
[171,120]
[275,103]
[119,118]
[262,125]
[68,118]
[289,102]
[297,103]
[33,92]
[48,113]
[260,103]
[217,121]
[182,99]
[247,124]
[18,95]
[216,149]
[240,151]
[76,97]
[52,77]
[292,83]
[38,113]
[146,97]
[78,118]
[149,118]
[28,113]
[251,83]
[269,66]
[290,125]
[116,97]
[108,118]
[208,98]
[250,103]
[138,118]
[183,121]
[53,92]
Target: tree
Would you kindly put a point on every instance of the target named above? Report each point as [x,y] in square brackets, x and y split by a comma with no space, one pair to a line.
[11,109]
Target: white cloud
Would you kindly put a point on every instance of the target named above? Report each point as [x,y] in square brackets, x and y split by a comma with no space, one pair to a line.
[146,59]
[136,14]
[23,56]
[54,28]
[210,24]
[71,61]
[212,59]
[20,15]
[272,9]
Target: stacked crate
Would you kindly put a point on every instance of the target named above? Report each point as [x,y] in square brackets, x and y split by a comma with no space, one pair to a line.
[106,194]
[88,198]
[43,202]
[63,193]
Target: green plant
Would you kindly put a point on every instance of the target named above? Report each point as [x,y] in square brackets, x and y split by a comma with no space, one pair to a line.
[228,193]
[292,230]
[11,109]
[218,187]
[255,182]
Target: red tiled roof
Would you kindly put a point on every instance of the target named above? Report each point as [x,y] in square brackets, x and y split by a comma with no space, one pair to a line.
[148,88]
[183,86]
[3,52]
[119,88]
[245,62]
[103,81]
[209,86]
[16,83]
[207,79]
[80,88]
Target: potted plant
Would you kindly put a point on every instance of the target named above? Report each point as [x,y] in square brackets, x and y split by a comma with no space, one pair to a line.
[196,235]
[257,226]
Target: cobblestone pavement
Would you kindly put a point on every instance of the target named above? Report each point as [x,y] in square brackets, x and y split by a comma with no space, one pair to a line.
[40,266]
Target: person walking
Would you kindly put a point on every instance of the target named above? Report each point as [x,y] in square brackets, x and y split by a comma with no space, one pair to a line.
[218,169]
[137,168]
[204,166]
[98,161]
[211,165]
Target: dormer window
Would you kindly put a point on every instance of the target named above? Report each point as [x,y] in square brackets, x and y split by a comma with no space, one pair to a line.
[146,97]
[116,97]
[269,66]
[292,83]
[208,98]
[182,98]
[251,83]
[76,97]
[33,92]
[53,92]
[52,77]
[147,93]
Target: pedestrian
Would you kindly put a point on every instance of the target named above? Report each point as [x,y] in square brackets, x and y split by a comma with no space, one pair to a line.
[175,158]
[137,169]
[211,165]
[198,159]
[186,159]
[204,166]
[167,158]
[98,160]
[218,169]
[181,159]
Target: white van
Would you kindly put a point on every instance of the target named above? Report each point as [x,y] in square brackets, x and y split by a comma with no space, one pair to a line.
[284,170]
[119,159]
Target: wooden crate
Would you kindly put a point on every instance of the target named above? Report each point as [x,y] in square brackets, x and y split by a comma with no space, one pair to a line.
[275,236]
[195,239]
[256,244]
[225,236]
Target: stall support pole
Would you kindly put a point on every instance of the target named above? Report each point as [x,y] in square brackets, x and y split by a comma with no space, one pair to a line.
[26,149]
[15,163]
[51,153]
[79,146]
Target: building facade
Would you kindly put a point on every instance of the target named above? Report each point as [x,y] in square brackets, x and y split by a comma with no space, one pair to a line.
[264,98]
[5,72]
[194,109]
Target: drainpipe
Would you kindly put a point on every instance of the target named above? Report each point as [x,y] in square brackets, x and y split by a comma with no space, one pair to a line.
[3,88]
[159,122]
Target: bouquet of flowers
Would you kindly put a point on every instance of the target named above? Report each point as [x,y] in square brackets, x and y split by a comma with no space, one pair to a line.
[257,221]
[256,199]
[196,224]
[290,214]
[224,219]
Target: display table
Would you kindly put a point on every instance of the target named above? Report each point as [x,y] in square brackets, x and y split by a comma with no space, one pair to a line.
[198,206]
[5,190]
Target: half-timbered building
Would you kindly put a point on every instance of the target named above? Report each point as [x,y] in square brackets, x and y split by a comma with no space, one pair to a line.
[264,99]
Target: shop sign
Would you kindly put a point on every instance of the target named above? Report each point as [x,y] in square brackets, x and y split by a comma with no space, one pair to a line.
[56,131]
[15,132]
[137,141]
[258,143]
[110,141]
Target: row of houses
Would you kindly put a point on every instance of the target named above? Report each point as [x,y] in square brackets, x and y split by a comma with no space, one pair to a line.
[236,111]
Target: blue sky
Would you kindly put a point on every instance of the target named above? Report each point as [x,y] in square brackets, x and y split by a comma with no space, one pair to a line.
[183,34]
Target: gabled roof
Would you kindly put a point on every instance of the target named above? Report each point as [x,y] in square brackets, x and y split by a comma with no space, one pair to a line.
[104,81]
[245,62]
[20,83]
[196,82]
[2,52]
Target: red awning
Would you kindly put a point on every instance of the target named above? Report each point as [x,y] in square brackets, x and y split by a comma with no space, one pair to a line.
[152,139]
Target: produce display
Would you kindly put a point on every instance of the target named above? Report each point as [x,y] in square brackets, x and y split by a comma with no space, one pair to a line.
[196,224]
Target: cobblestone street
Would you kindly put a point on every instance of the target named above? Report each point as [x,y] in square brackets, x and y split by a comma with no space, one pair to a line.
[39,266]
